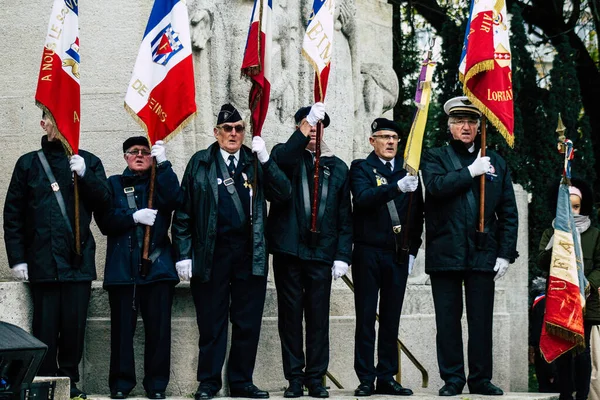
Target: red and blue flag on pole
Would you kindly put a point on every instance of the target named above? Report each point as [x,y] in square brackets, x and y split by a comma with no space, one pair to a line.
[161,93]
[58,91]
[317,45]
[257,62]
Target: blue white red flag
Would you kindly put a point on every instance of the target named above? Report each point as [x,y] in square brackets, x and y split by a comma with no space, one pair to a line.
[485,65]
[257,62]
[161,93]
[567,285]
[317,46]
[58,92]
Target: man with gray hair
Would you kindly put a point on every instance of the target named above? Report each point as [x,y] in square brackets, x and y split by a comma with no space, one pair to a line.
[457,255]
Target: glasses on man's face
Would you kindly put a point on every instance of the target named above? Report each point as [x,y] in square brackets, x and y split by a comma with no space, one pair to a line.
[229,128]
[462,122]
[387,138]
[138,152]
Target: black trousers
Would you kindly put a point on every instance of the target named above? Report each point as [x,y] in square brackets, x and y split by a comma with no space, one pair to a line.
[59,320]
[232,291]
[447,288]
[574,371]
[303,291]
[376,274]
[154,302]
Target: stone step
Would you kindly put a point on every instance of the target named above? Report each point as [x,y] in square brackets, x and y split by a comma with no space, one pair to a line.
[346,394]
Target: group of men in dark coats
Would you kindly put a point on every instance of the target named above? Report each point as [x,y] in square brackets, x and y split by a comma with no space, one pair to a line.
[222,238]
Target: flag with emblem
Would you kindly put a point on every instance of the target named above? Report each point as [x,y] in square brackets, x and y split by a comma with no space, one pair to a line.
[317,45]
[562,329]
[414,144]
[257,62]
[161,93]
[58,92]
[485,64]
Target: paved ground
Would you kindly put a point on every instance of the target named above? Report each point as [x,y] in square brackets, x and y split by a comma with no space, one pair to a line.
[349,394]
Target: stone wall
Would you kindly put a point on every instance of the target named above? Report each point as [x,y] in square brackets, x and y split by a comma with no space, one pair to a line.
[363,86]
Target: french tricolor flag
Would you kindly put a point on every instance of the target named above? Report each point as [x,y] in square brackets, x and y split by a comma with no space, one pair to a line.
[58,92]
[161,93]
[257,62]
[318,43]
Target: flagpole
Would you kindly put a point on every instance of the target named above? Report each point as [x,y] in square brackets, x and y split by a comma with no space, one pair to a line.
[77,231]
[482,178]
[315,202]
[146,262]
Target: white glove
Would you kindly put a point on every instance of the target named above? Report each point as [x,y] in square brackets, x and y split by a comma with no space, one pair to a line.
[317,113]
[158,151]
[145,216]
[501,267]
[77,164]
[411,263]
[260,148]
[184,269]
[20,272]
[480,166]
[339,269]
[408,184]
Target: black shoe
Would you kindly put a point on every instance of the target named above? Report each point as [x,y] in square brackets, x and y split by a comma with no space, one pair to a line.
[393,388]
[155,395]
[364,389]
[76,393]
[119,394]
[487,389]
[250,392]
[449,389]
[294,390]
[204,392]
[318,390]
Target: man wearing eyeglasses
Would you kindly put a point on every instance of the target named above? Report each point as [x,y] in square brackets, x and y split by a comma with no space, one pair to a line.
[386,241]
[304,262]
[39,224]
[131,288]
[219,243]
[457,255]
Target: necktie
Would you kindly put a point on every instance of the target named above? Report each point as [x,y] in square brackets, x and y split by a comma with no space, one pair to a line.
[389,165]
[231,165]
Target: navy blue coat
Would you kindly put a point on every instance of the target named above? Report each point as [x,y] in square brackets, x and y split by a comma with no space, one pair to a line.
[452,212]
[372,221]
[288,225]
[124,250]
[195,222]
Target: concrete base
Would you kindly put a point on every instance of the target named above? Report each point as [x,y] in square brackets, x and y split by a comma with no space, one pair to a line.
[349,394]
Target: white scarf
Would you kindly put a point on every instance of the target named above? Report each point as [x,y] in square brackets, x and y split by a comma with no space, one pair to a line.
[582,224]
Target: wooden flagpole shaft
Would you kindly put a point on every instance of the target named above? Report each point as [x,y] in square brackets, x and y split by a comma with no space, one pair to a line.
[482,179]
[315,202]
[77,231]
[146,262]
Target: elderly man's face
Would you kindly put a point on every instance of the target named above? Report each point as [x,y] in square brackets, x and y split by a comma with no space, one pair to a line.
[230,135]
[138,158]
[385,144]
[463,129]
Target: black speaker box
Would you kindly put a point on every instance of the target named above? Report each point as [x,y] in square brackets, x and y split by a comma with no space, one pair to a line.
[21,355]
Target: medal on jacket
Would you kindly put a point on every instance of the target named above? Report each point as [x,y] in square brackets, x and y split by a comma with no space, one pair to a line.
[247,184]
[380,179]
[491,174]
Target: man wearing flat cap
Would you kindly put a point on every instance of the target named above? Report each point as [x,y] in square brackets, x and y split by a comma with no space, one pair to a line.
[220,245]
[386,242]
[457,255]
[131,288]
[304,262]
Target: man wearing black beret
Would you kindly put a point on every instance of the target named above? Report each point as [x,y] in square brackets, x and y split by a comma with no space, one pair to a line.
[304,264]
[130,290]
[386,242]
[220,246]
[455,255]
